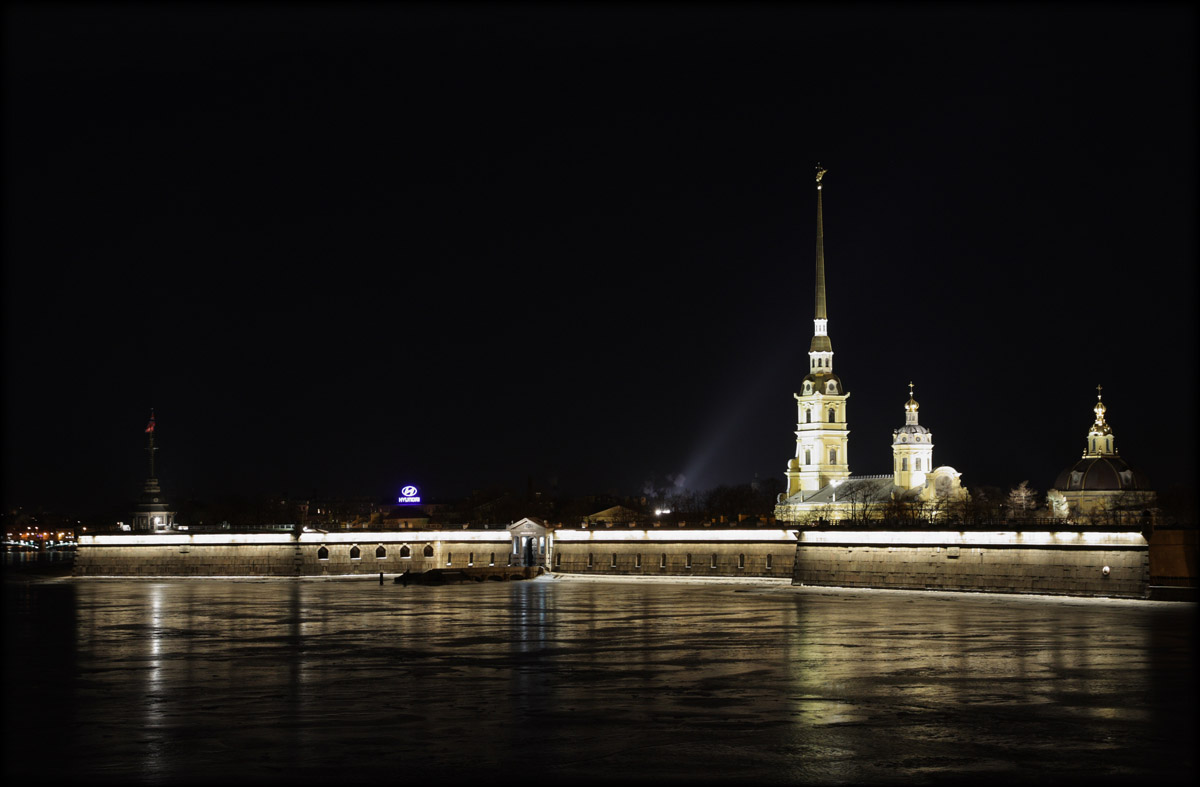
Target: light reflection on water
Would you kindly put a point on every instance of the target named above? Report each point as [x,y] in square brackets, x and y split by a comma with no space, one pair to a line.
[309,680]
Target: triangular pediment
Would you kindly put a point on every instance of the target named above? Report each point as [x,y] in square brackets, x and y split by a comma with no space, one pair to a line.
[528,526]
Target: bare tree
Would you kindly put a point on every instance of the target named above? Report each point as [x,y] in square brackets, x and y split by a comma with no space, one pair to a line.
[1022,501]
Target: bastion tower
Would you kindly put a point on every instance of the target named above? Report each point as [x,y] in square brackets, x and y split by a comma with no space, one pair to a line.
[822,434]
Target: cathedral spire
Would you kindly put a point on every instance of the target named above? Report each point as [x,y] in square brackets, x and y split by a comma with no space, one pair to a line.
[820,310]
[820,351]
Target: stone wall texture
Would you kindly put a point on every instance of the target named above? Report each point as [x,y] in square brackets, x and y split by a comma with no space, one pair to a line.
[1067,570]
[289,559]
[678,559]
[1173,557]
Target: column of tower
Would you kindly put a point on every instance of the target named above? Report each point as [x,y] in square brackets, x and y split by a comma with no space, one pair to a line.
[151,513]
[822,435]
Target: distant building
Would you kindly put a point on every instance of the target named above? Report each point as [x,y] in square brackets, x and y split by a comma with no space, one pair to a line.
[406,518]
[1101,488]
[151,514]
[615,515]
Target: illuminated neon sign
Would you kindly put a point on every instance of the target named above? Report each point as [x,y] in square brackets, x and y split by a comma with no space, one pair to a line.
[410,494]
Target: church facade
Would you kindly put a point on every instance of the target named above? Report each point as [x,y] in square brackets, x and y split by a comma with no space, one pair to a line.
[820,487]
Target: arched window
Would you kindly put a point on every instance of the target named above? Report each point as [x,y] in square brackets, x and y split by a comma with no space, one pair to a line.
[713,562]
[492,561]
[557,560]
[662,560]
[613,562]
[637,561]
[918,463]
[405,551]
[380,552]
[591,560]
[323,553]
[688,563]
[807,456]
[741,561]
[832,415]
[428,550]
[808,416]
[833,456]
[355,552]
[769,562]
[471,559]
[904,462]
[449,558]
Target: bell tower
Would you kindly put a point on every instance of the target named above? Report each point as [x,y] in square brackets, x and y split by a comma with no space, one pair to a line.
[822,434]
[912,448]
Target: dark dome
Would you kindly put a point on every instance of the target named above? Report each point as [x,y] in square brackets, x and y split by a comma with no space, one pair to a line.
[821,382]
[1100,474]
[911,429]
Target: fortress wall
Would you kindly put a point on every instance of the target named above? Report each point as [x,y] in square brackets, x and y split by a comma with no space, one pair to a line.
[1068,563]
[1065,562]
[723,558]
[280,555]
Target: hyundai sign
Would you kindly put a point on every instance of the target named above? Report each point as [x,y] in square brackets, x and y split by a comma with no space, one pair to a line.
[410,494]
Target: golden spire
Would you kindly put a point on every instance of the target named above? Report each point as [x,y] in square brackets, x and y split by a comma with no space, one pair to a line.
[1099,410]
[820,315]
[911,406]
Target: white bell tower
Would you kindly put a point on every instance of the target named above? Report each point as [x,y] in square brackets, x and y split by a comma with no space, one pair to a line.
[912,448]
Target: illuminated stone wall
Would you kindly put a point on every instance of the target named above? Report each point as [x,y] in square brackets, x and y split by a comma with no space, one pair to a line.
[279,555]
[1064,562]
[693,558]
[1071,563]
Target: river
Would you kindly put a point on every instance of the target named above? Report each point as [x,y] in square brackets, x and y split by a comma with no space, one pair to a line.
[317,681]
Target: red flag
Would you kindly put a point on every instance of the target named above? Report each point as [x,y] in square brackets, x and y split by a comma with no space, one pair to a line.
[150,426]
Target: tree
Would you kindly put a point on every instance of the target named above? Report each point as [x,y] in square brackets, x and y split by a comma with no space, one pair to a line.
[1022,500]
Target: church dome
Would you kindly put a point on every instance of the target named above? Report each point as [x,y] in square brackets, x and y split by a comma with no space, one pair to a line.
[1100,474]
[911,429]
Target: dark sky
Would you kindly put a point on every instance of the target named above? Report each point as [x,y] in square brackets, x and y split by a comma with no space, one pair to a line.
[341,248]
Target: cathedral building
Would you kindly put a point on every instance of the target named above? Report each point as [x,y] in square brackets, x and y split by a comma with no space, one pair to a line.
[1101,488]
[819,483]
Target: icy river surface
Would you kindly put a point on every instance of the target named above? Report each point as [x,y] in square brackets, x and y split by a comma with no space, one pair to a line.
[569,681]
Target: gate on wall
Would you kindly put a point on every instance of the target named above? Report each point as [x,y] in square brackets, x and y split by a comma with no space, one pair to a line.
[532,543]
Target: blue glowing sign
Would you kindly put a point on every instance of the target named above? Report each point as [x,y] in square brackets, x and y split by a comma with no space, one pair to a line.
[410,494]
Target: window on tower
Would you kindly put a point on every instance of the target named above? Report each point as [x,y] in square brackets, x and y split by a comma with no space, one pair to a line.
[904,463]
[807,456]
[918,463]
[832,415]
[833,456]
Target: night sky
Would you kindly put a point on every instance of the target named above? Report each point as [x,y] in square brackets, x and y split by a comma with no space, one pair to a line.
[343,248]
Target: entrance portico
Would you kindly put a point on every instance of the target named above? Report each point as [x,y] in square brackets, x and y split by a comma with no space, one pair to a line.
[532,542]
